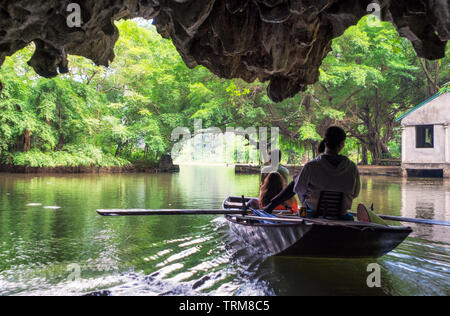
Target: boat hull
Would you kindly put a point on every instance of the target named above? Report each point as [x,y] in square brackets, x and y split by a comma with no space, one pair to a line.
[319,238]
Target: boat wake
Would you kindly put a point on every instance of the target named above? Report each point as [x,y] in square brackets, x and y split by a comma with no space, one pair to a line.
[418,267]
[213,263]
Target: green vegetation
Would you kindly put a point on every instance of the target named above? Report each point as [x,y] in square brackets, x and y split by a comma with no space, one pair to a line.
[126,113]
[70,156]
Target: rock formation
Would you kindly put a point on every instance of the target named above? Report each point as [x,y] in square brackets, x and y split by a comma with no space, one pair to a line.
[281,41]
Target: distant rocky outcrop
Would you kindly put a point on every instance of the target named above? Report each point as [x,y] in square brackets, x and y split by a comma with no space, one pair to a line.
[281,41]
[166,165]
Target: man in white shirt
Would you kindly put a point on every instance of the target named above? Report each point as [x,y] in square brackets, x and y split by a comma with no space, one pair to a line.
[275,166]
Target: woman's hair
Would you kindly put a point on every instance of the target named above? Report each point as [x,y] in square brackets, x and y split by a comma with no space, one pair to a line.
[272,186]
[322,147]
[333,138]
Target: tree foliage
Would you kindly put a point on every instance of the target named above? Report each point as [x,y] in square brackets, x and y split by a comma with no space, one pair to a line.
[125,113]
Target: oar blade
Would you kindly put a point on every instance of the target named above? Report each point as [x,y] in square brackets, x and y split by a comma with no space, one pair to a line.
[411,220]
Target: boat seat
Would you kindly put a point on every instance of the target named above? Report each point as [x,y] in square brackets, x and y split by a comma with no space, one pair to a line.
[330,204]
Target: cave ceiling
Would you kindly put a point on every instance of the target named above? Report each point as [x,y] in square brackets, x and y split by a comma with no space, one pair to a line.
[280,41]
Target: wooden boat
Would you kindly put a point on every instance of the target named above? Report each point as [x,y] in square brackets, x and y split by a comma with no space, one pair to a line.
[315,237]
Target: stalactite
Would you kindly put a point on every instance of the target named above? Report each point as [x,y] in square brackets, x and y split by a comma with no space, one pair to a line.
[281,41]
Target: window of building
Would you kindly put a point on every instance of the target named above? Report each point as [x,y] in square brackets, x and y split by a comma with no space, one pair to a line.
[425,136]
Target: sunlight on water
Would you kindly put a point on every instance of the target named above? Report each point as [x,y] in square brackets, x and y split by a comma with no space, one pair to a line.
[42,248]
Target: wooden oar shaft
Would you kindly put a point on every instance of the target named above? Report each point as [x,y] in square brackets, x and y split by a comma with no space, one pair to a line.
[414,220]
[142,212]
[139,212]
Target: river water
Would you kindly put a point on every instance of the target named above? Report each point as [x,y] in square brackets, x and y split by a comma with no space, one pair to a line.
[52,242]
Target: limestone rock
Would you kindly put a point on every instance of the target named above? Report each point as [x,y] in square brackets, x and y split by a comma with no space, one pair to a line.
[166,164]
[281,41]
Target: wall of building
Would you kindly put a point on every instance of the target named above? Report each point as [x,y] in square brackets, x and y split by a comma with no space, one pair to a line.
[438,154]
[437,113]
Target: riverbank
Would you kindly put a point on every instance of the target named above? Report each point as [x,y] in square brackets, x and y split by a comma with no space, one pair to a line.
[88,170]
[363,170]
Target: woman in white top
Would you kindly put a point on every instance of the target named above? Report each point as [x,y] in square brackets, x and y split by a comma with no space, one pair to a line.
[328,172]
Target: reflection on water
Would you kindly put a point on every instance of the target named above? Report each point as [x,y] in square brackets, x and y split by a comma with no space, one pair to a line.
[414,198]
[429,199]
[48,224]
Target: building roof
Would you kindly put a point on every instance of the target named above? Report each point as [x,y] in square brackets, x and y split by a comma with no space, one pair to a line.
[443,91]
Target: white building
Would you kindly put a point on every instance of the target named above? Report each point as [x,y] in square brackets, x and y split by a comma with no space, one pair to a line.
[426,138]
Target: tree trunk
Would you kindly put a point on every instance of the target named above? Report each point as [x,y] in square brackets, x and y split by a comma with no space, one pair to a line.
[432,83]
[119,147]
[385,149]
[436,75]
[315,147]
[364,159]
[60,142]
[61,137]
[27,141]
[376,149]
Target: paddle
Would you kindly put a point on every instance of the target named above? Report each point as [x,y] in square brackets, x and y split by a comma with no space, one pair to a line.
[243,211]
[408,220]
[139,212]
[191,212]
[414,220]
